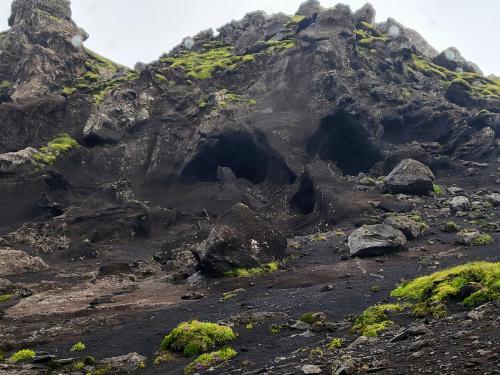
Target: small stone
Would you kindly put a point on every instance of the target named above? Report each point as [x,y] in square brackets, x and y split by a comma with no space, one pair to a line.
[311,369]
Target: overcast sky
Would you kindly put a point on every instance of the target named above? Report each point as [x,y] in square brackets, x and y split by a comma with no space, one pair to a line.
[128,31]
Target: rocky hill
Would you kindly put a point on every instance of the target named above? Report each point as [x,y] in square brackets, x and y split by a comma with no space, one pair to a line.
[244,188]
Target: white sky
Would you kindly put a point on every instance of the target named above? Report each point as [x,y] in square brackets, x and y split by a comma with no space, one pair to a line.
[128,31]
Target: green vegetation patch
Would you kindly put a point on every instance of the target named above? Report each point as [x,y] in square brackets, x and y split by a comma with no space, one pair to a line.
[204,64]
[375,319]
[438,190]
[483,240]
[246,272]
[102,77]
[194,337]
[367,34]
[450,227]
[335,343]
[48,155]
[208,360]
[78,347]
[475,83]
[5,298]
[481,279]
[22,355]
[215,57]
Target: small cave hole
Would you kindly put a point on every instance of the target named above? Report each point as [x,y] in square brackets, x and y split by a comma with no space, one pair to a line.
[304,200]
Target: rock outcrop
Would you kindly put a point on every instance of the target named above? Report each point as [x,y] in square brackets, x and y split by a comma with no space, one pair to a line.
[240,239]
[371,240]
[409,177]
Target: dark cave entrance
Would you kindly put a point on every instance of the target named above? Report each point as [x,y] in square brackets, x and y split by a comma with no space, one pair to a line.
[237,151]
[343,140]
[304,200]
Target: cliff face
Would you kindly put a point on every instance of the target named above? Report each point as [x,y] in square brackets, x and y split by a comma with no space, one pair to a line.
[133,185]
[242,115]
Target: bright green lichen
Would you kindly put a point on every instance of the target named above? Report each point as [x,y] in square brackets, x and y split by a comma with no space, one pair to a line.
[375,319]
[335,344]
[295,19]
[5,298]
[449,283]
[482,240]
[78,347]
[246,272]
[22,355]
[208,360]
[158,78]
[204,64]
[438,190]
[194,337]
[49,154]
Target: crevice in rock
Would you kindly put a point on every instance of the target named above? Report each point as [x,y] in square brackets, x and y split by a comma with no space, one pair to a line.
[304,200]
[343,140]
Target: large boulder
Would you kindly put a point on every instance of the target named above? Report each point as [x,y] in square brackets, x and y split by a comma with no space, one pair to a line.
[15,262]
[370,240]
[239,239]
[459,203]
[409,177]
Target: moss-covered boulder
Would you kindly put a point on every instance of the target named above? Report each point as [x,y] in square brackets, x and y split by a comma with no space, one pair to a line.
[194,337]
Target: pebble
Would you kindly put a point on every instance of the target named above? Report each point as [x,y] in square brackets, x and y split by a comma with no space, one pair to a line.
[311,369]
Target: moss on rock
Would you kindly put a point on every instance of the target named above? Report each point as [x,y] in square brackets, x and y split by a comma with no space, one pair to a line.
[208,360]
[61,144]
[194,337]
[375,319]
[482,279]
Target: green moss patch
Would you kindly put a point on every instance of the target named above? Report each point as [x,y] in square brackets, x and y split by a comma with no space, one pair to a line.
[5,298]
[246,272]
[102,77]
[367,34]
[375,319]
[484,239]
[78,347]
[208,360]
[473,284]
[194,337]
[335,343]
[61,144]
[22,355]
[204,64]
[450,227]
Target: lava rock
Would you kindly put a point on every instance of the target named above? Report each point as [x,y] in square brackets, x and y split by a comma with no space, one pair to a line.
[409,177]
[127,363]
[15,262]
[371,240]
[452,59]
[410,227]
[459,203]
[18,163]
[239,239]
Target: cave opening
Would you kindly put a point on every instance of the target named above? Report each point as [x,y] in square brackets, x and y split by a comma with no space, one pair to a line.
[304,200]
[237,151]
[343,140]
